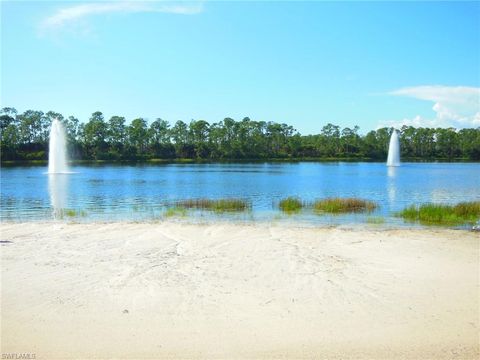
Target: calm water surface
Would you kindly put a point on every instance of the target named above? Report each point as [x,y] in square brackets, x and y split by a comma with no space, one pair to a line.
[143,192]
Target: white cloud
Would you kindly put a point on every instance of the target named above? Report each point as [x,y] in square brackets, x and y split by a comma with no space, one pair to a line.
[71,15]
[454,106]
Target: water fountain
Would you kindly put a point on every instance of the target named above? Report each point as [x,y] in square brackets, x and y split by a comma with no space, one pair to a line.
[57,154]
[58,190]
[394,150]
[57,168]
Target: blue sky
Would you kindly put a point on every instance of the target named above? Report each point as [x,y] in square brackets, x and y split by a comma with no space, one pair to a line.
[304,63]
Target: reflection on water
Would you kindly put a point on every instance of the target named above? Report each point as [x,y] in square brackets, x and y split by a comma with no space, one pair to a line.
[113,192]
[58,190]
[392,171]
[392,192]
[439,195]
[391,185]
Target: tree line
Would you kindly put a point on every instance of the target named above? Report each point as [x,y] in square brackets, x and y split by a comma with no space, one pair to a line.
[25,137]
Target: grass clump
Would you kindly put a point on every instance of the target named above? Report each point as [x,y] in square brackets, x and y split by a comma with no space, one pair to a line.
[218,205]
[290,204]
[344,205]
[468,209]
[175,211]
[70,213]
[440,214]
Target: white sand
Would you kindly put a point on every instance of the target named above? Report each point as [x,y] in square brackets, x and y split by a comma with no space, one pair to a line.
[237,291]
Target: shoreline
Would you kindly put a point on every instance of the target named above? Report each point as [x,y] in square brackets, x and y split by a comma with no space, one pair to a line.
[285,222]
[186,161]
[223,290]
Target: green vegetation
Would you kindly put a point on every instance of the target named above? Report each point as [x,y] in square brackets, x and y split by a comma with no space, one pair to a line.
[24,137]
[61,213]
[290,204]
[175,212]
[330,205]
[344,205]
[468,209]
[218,205]
[377,220]
[438,214]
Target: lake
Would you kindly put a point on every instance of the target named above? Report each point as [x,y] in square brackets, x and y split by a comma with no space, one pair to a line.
[144,192]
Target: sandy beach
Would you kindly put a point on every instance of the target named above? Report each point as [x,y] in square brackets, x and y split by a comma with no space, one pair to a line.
[170,290]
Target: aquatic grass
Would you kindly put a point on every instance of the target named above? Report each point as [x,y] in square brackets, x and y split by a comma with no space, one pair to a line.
[175,211]
[71,213]
[290,204]
[344,205]
[377,220]
[468,209]
[217,205]
[441,214]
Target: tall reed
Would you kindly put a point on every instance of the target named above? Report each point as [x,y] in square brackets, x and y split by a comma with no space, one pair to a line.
[219,205]
[441,214]
[344,205]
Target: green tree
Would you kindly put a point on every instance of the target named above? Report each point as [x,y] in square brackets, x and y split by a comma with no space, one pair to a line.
[7,117]
[159,135]
[138,136]
[199,132]
[72,129]
[116,136]
[30,126]
[9,134]
[350,141]
[95,133]
[181,139]
[217,134]
[448,144]
[330,140]
[159,132]
[469,141]
[25,136]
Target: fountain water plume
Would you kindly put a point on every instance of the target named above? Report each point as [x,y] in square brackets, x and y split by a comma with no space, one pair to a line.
[394,150]
[57,153]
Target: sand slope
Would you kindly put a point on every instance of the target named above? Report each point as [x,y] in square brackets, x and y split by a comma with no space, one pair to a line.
[151,291]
